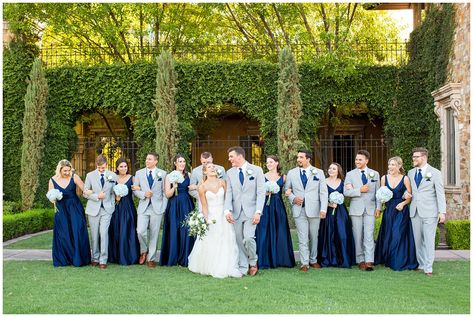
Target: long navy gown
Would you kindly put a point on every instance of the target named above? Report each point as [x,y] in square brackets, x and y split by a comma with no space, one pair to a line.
[336,245]
[123,244]
[395,246]
[273,237]
[176,244]
[70,237]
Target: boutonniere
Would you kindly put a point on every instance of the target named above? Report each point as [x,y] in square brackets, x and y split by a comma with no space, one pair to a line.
[219,173]
[249,172]
[110,179]
[428,176]
[159,176]
[314,173]
[371,176]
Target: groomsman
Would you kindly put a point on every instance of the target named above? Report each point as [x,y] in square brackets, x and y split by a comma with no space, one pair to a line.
[196,176]
[361,185]
[427,207]
[308,195]
[98,189]
[149,188]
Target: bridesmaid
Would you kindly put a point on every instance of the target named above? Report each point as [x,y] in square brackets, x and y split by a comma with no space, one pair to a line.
[395,246]
[123,246]
[336,246]
[176,244]
[273,237]
[70,237]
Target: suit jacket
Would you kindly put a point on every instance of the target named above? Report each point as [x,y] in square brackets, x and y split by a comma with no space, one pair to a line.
[429,198]
[361,201]
[196,177]
[249,197]
[92,181]
[315,193]
[158,200]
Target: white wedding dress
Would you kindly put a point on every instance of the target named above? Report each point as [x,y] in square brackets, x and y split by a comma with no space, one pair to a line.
[216,254]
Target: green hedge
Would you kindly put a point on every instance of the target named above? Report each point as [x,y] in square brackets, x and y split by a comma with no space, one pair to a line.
[458,234]
[11,207]
[30,221]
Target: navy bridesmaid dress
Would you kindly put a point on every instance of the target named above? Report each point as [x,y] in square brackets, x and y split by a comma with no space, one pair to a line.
[176,244]
[70,237]
[273,237]
[123,245]
[395,246]
[336,245]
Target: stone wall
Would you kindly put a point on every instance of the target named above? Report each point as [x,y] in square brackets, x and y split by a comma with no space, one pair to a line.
[458,200]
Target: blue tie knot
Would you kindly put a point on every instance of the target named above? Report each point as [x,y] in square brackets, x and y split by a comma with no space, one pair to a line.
[363,177]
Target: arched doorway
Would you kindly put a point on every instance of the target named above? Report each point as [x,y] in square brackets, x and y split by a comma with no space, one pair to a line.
[221,127]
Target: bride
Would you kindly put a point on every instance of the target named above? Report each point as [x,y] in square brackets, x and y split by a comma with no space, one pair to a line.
[216,254]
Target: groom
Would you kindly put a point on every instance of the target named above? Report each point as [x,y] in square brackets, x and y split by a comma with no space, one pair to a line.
[244,202]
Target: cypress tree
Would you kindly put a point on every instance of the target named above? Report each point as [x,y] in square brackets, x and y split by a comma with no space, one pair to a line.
[34,131]
[289,109]
[165,114]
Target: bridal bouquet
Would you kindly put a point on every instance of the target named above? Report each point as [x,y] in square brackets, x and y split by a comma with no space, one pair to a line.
[198,225]
[336,198]
[384,194]
[271,188]
[175,177]
[120,190]
[54,195]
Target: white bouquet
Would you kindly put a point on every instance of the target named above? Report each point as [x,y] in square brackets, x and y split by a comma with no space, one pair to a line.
[271,188]
[54,195]
[384,194]
[197,224]
[120,190]
[175,177]
[336,198]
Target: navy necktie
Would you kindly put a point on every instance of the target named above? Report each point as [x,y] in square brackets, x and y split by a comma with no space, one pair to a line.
[418,177]
[304,178]
[150,179]
[241,176]
[363,178]
[102,180]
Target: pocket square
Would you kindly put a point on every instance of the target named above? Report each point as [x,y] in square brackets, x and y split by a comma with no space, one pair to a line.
[428,180]
[315,178]
[373,180]
[252,178]
[160,179]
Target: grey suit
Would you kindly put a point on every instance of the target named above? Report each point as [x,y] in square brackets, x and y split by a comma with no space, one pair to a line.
[99,212]
[307,217]
[150,210]
[362,209]
[428,200]
[197,175]
[243,201]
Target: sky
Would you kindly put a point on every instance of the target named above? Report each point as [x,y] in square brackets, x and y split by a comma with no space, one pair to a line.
[404,21]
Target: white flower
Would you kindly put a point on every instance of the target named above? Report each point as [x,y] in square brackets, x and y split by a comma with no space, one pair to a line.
[120,190]
[336,198]
[428,175]
[249,172]
[175,177]
[384,194]
[313,171]
[197,224]
[54,195]
[272,187]
[159,175]
[219,172]
[371,175]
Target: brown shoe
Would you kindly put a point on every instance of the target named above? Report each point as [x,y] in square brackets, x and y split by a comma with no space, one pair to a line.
[428,274]
[151,264]
[362,266]
[103,266]
[369,266]
[143,258]
[315,265]
[94,263]
[253,270]
[419,270]
[304,268]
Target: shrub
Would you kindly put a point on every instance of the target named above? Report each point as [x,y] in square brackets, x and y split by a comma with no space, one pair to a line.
[30,221]
[11,207]
[458,234]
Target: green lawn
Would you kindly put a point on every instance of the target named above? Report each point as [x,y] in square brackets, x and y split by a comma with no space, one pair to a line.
[44,241]
[36,287]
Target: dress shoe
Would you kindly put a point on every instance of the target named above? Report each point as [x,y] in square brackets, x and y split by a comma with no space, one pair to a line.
[370,266]
[94,263]
[362,266]
[143,258]
[253,270]
[419,270]
[315,265]
[428,274]
[103,266]
[304,268]
[151,264]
